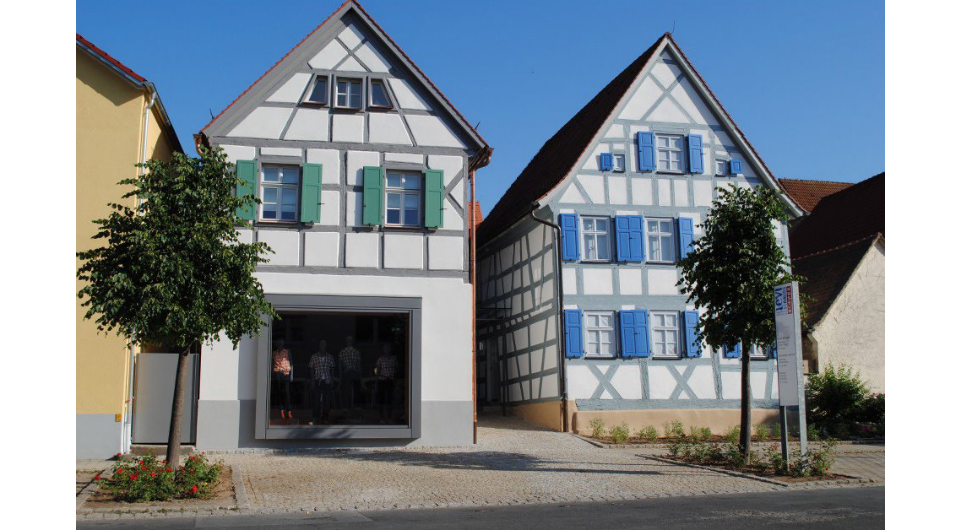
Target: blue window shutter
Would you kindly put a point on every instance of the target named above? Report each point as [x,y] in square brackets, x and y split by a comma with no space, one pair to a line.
[640,237]
[734,353]
[685,229]
[569,239]
[573,332]
[695,149]
[736,166]
[690,319]
[641,321]
[634,225]
[622,226]
[606,161]
[645,149]
[772,351]
[628,333]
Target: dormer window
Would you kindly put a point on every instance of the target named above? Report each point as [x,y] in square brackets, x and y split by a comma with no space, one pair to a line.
[379,98]
[319,91]
[349,93]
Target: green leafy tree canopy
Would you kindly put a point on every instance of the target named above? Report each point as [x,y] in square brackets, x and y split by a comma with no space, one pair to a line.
[172,269]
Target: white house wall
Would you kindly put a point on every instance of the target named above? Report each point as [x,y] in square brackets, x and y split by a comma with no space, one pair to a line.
[663,100]
[852,330]
[518,362]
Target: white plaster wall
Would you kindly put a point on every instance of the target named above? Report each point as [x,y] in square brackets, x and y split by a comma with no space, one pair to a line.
[309,125]
[580,382]
[403,251]
[681,193]
[662,382]
[281,151]
[663,192]
[631,280]
[593,185]
[853,330]
[362,250]
[662,281]
[627,381]
[617,188]
[291,91]
[387,128]
[330,159]
[432,131]
[354,208]
[642,189]
[329,56]
[410,158]
[285,245]
[372,58]
[407,98]
[239,152]
[356,161]
[701,382]
[445,253]
[702,193]
[569,281]
[262,122]
[643,98]
[572,196]
[321,249]
[351,36]
[597,280]
[348,128]
[351,65]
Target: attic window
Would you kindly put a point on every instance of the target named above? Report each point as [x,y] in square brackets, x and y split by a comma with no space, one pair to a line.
[318,93]
[379,98]
[349,93]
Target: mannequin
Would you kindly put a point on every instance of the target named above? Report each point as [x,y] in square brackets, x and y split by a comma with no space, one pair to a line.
[349,360]
[321,367]
[282,376]
[386,371]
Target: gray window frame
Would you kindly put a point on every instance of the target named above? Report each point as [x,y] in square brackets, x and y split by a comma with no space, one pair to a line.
[306,95]
[648,234]
[594,233]
[262,167]
[682,149]
[335,91]
[678,329]
[614,331]
[370,81]
[351,304]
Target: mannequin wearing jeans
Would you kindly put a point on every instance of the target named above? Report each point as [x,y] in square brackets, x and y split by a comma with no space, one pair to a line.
[386,371]
[321,371]
[349,361]
[282,376]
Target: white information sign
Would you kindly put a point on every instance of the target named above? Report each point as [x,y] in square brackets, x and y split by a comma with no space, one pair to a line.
[789,354]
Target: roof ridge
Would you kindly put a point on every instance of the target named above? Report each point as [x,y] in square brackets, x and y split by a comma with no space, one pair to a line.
[875,235]
[819,181]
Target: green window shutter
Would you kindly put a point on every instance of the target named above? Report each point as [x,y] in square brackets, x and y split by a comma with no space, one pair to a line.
[247,173]
[433,207]
[310,193]
[372,195]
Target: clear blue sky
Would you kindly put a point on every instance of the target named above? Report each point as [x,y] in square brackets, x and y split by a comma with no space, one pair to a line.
[804,80]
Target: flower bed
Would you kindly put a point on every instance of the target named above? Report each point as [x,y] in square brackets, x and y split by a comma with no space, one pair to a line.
[812,465]
[147,479]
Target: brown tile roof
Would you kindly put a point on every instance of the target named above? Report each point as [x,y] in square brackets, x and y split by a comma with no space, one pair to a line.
[844,217]
[477,212]
[108,58]
[826,273]
[808,193]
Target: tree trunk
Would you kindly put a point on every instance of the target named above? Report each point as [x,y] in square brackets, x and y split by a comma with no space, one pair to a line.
[745,404]
[176,413]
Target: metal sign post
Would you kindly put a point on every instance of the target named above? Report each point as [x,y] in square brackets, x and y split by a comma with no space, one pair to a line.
[789,361]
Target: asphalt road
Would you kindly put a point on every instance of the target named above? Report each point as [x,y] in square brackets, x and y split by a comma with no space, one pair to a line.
[846,508]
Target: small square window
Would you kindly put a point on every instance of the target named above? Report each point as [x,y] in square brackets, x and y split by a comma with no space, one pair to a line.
[319,91]
[596,238]
[670,153]
[379,97]
[280,194]
[619,163]
[403,199]
[660,240]
[600,334]
[721,168]
[666,333]
[349,93]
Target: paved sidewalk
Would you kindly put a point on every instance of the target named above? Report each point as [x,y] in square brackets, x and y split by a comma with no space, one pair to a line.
[515,463]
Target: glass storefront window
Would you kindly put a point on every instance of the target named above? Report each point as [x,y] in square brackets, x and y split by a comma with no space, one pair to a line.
[340,368]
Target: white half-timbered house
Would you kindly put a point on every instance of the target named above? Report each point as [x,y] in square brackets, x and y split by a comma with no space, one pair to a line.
[579,313]
[363,169]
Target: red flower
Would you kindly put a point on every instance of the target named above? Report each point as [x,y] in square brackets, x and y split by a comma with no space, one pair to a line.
[119,455]
[193,458]
[193,489]
[96,477]
[121,470]
[168,470]
[134,477]
[152,474]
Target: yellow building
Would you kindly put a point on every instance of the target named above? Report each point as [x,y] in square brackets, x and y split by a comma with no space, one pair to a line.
[120,122]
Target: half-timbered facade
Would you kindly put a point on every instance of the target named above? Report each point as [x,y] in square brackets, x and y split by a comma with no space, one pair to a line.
[579,312]
[363,170]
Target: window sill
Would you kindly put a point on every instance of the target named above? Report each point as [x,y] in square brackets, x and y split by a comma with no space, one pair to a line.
[668,357]
[667,172]
[403,227]
[600,357]
[651,262]
[267,222]
[378,107]
[315,103]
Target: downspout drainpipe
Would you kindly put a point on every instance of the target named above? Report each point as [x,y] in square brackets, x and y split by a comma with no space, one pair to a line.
[561,345]
[483,158]
[127,440]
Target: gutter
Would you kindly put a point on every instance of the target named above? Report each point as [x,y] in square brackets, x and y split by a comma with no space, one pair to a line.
[561,344]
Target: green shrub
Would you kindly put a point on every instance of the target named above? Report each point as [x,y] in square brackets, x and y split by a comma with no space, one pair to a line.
[813,433]
[872,409]
[648,433]
[599,429]
[762,432]
[673,429]
[818,461]
[835,399]
[700,434]
[733,435]
[145,479]
[775,431]
[620,433]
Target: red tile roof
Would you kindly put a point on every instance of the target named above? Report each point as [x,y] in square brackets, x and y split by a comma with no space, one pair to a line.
[107,57]
[847,216]
[477,212]
[826,273]
[392,42]
[808,193]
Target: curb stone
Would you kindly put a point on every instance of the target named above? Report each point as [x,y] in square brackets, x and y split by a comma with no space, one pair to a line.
[849,480]
[240,489]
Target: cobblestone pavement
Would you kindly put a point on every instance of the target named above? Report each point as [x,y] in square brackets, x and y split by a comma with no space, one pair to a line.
[515,462]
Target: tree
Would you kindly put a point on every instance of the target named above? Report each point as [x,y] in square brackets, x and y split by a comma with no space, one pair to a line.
[730,274]
[172,270]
